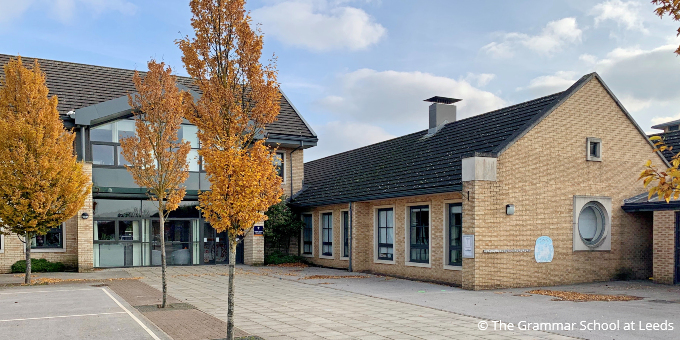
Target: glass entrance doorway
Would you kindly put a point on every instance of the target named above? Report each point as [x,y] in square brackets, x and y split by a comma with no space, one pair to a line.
[216,247]
[181,242]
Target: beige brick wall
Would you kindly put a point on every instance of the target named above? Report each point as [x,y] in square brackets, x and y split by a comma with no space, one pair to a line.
[297,160]
[364,239]
[77,242]
[540,174]
[253,249]
[664,246]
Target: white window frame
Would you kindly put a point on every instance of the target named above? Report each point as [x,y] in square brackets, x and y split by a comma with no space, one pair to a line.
[342,234]
[407,236]
[375,234]
[446,234]
[589,157]
[283,164]
[2,243]
[302,236]
[321,255]
[52,250]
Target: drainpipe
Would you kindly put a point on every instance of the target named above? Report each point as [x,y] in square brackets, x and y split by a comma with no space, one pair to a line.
[82,142]
[291,167]
[351,219]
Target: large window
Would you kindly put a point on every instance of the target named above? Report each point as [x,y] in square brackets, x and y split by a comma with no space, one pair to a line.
[419,234]
[307,234]
[105,141]
[54,239]
[385,234]
[345,233]
[591,224]
[455,231]
[327,234]
[280,158]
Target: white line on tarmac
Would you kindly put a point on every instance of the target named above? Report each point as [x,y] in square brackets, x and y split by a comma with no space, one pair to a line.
[47,291]
[131,315]
[61,316]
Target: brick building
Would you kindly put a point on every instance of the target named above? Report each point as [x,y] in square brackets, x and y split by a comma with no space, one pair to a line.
[527,195]
[118,226]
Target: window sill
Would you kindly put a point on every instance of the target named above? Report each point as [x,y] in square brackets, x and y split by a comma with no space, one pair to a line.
[344,258]
[383,261]
[307,255]
[448,267]
[2,251]
[418,264]
[49,250]
[327,257]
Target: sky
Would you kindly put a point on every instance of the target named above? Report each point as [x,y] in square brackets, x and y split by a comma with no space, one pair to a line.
[358,71]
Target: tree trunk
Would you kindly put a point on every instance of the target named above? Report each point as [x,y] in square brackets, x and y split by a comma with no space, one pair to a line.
[230,295]
[163,260]
[28,238]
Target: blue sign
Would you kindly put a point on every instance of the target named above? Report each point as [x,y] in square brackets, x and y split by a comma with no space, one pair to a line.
[544,251]
[258,230]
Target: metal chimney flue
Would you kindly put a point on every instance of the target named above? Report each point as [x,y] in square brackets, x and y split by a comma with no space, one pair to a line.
[442,111]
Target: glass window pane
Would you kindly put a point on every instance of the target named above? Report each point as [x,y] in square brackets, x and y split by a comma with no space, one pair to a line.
[121,160]
[279,163]
[128,230]
[105,230]
[117,208]
[192,158]
[102,133]
[126,128]
[189,134]
[102,154]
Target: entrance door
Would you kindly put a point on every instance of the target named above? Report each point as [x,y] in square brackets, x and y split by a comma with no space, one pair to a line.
[677,247]
[216,247]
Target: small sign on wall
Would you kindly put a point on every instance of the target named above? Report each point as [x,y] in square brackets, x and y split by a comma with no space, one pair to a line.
[544,250]
[258,230]
[468,246]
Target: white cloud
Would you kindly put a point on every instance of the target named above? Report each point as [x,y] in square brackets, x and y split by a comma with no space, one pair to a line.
[64,10]
[588,58]
[661,120]
[549,84]
[319,25]
[336,136]
[395,99]
[555,35]
[625,14]
[481,79]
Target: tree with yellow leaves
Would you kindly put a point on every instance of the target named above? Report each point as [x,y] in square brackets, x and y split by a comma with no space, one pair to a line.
[239,96]
[670,8]
[665,183]
[157,157]
[41,182]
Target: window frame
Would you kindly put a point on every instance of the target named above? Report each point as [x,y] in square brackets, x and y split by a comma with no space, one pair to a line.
[589,156]
[407,235]
[61,249]
[322,243]
[376,234]
[283,165]
[344,219]
[2,243]
[302,236]
[446,233]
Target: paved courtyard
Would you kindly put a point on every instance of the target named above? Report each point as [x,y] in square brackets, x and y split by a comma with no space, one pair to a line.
[285,303]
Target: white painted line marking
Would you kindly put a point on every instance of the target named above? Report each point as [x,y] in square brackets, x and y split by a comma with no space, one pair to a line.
[61,316]
[131,315]
[47,291]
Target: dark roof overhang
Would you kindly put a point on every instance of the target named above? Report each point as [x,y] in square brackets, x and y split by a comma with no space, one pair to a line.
[373,197]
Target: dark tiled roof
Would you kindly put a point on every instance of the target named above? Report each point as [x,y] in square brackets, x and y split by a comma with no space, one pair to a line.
[80,85]
[412,165]
[671,139]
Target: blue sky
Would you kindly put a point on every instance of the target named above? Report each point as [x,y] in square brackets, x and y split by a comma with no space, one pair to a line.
[359,70]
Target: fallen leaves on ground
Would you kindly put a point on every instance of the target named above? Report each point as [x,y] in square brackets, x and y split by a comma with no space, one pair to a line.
[328,277]
[51,281]
[582,297]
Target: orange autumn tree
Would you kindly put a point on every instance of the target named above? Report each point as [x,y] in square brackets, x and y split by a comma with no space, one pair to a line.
[239,96]
[157,157]
[670,8]
[664,183]
[41,182]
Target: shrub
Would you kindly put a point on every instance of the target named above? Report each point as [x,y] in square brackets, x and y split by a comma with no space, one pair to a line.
[38,266]
[278,257]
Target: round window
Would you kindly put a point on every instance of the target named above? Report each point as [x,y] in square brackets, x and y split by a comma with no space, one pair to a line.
[591,224]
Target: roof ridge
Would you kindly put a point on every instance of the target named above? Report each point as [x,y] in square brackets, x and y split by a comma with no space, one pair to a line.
[425,130]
